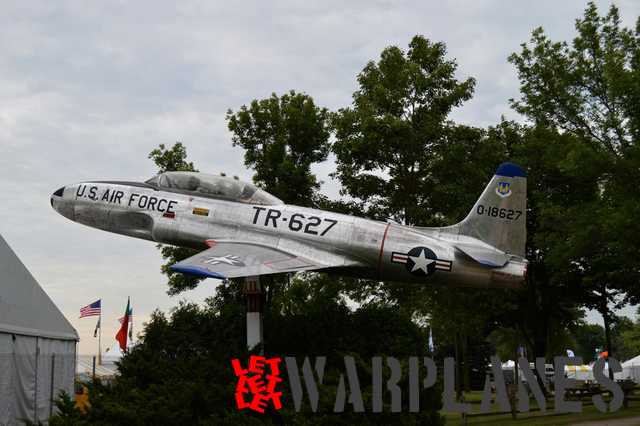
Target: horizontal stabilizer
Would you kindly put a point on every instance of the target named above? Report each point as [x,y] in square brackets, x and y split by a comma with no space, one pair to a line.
[484,255]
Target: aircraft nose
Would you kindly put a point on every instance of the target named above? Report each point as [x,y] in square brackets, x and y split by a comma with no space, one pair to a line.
[56,195]
[62,206]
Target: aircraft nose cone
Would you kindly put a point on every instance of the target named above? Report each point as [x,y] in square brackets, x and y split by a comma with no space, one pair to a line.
[56,195]
[62,206]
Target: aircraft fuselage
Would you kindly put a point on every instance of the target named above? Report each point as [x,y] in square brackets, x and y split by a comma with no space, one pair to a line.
[383,251]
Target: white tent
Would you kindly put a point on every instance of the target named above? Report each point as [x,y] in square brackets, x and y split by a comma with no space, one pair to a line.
[508,364]
[84,369]
[635,361]
[37,345]
[631,369]
[583,373]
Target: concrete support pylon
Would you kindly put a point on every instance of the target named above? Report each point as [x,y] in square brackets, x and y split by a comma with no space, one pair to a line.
[255,303]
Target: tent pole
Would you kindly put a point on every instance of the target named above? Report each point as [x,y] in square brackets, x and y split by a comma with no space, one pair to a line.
[35,388]
[51,389]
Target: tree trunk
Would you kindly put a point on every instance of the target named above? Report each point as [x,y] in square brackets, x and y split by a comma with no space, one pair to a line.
[540,351]
[467,363]
[458,369]
[606,318]
[540,336]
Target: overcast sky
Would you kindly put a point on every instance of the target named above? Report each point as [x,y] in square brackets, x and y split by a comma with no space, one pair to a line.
[88,90]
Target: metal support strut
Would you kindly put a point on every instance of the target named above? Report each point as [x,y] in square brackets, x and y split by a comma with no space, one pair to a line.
[255,302]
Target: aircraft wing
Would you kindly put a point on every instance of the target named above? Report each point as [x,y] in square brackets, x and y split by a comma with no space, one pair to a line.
[231,259]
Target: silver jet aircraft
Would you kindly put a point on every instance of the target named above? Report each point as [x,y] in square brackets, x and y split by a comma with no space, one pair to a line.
[243,231]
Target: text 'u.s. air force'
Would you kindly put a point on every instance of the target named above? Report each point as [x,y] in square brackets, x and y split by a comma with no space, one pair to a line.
[114,196]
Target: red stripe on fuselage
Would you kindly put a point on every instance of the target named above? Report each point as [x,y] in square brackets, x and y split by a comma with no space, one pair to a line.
[384,237]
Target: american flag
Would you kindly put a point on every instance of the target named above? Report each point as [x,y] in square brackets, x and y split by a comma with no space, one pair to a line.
[92,310]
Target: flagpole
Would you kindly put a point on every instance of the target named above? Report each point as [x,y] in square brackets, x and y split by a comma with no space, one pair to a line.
[100,337]
[131,327]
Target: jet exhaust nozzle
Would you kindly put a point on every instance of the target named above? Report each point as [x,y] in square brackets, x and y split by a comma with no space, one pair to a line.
[512,275]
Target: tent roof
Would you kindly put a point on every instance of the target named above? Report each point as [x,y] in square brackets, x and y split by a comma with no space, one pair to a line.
[633,361]
[24,306]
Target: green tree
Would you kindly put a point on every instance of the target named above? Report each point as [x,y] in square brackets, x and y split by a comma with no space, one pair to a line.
[67,412]
[172,159]
[399,156]
[385,141]
[167,160]
[390,144]
[462,319]
[561,188]
[622,332]
[587,338]
[282,137]
[537,315]
[588,89]
[630,339]
[584,88]
[181,371]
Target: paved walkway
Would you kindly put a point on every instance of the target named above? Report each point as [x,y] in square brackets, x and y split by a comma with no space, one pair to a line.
[628,421]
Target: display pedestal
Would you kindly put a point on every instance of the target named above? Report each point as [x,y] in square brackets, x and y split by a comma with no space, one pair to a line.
[255,302]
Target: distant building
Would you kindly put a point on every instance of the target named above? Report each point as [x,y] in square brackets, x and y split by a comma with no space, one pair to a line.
[37,345]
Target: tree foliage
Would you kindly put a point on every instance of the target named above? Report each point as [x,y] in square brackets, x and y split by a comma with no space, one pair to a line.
[625,339]
[172,159]
[588,88]
[385,141]
[587,338]
[282,137]
[181,371]
[629,338]
[584,90]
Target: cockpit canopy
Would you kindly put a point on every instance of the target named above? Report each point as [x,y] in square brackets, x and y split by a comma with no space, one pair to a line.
[212,186]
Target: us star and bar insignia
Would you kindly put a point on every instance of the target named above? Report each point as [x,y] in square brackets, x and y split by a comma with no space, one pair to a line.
[421,261]
[228,259]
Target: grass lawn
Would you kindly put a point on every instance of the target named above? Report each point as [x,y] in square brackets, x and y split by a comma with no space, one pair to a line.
[589,413]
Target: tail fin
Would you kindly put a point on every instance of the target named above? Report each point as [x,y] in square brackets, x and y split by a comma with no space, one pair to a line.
[499,216]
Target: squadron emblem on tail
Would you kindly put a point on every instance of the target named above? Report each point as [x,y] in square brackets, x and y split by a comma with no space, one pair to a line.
[503,189]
